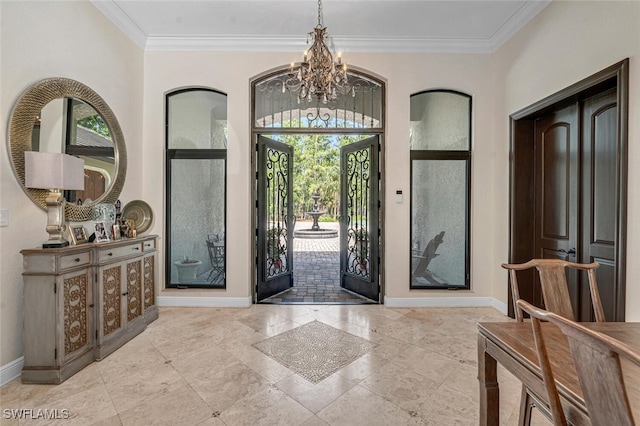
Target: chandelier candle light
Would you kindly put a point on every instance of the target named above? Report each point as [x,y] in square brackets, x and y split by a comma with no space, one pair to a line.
[318,75]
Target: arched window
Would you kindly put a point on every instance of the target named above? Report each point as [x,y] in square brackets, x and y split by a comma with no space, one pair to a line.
[196,166]
[440,189]
[277,106]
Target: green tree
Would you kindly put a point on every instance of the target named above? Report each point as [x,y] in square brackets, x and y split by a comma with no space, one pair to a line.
[316,167]
[95,123]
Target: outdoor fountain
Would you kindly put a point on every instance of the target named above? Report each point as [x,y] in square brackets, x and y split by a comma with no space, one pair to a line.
[315,231]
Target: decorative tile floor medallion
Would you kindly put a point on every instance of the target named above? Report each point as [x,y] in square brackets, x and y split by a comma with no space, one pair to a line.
[315,350]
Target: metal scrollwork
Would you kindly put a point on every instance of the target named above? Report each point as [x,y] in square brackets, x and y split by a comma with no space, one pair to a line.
[357,106]
[358,239]
[277,165]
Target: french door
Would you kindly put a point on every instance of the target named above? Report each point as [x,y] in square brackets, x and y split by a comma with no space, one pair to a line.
[359,223]
[275,218]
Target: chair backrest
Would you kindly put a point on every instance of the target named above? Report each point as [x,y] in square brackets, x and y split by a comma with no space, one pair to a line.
[429,254]
[597,360]
[553,281]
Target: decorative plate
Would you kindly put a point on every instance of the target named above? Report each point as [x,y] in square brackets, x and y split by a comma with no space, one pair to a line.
[141,214]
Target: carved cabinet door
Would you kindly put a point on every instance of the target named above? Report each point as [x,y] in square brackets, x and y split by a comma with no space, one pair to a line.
[75,314]
[111,287]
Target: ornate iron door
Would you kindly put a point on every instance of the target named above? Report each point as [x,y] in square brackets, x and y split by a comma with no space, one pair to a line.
[275,217]
[359,231]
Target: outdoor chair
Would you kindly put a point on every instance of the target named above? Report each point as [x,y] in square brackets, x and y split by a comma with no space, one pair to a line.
[427,256]
[215,247]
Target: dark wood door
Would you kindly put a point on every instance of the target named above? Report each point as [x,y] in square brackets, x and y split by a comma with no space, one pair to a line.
[576,198]
[568,187]
[557,190]
[599,200]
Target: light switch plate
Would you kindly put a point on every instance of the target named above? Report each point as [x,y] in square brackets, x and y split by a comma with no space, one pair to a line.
[4,217]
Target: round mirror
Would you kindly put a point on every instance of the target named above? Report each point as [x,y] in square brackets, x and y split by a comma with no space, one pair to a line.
[63,115]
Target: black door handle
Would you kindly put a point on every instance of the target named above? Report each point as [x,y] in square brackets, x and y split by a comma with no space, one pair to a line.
[571,251]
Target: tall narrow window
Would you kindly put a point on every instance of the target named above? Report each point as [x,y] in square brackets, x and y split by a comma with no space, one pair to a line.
[196,166]
[440,189]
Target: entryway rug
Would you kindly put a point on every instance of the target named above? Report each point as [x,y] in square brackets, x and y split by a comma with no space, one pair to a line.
[315,350]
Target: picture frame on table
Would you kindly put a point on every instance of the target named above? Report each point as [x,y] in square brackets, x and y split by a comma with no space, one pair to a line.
[115,232]
[101,233]
[78,235]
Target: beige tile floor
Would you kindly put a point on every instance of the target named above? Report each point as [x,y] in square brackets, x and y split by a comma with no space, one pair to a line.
[197,366]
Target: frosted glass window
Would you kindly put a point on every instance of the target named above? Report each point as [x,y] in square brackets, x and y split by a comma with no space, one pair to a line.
[440,190]
[197,119]
[196,187]
[438,212]
[440,121]
[197,220]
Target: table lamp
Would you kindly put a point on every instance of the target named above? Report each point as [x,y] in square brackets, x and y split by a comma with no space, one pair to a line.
[55,172]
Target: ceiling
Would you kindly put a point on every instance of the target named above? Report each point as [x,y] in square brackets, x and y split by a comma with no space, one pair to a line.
[355,25]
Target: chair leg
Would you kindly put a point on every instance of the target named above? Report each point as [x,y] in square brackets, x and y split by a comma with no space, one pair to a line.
[526,405]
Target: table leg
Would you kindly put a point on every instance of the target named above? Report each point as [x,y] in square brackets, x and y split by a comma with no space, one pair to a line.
[488,380]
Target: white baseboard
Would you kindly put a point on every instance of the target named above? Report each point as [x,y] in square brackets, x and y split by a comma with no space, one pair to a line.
[445,302]
[204,302]
[9,372]
[392,302]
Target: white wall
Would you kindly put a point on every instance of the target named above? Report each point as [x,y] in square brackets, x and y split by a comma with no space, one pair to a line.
[404,73]
[565,43]
[57,39]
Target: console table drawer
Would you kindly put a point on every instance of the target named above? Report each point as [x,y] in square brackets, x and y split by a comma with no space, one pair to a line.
[73,260]
[149,245]
[113,253]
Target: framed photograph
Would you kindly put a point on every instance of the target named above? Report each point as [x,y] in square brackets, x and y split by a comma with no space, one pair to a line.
[115,232]
[101,232]
[78,235]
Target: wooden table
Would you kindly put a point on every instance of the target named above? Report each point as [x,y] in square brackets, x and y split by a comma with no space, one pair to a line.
[511,344]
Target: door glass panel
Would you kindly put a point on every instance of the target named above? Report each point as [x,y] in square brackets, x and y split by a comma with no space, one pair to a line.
[197,226]
[277,200]
[357,197]
[439,223]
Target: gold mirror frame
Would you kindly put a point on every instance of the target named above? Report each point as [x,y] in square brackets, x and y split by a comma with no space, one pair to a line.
[23,117]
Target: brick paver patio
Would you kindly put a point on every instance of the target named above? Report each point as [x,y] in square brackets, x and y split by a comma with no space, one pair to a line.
[316,272]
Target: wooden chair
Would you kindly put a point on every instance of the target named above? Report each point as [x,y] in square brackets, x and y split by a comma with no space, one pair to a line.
[553,282]
[555,294]
[597,361]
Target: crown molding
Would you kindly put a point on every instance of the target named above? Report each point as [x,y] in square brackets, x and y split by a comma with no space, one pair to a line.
[111,10]
[296,44]
[262,43]
[526,13]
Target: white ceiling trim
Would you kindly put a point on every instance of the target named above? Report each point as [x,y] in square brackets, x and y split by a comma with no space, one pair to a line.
[122,21]
[517,21]
[298,44]
[290,43]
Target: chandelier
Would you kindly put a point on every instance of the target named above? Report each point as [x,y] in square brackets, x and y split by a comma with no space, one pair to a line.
[318,75]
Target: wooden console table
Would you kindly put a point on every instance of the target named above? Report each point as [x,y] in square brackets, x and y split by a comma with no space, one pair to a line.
[80,303]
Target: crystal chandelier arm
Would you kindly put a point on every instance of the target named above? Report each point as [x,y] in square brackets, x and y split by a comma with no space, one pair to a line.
[318,74]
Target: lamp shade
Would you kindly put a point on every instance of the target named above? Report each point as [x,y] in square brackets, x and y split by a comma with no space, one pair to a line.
[51,170]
